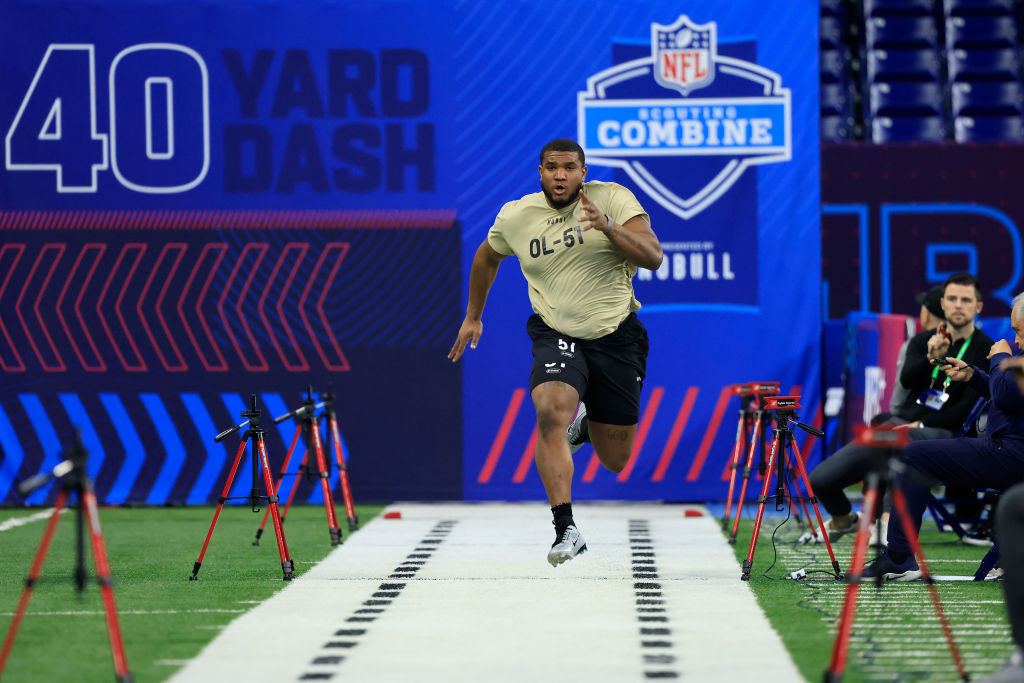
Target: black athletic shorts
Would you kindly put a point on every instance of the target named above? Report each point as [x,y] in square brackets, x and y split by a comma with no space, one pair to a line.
[608,372]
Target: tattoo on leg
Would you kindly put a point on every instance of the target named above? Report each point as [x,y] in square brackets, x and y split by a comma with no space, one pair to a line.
[617,434]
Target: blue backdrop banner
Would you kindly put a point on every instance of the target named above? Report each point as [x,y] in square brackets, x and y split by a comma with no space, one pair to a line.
[205,201]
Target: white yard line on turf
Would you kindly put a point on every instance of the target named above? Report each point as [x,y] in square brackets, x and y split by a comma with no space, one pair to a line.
[464,592]
[15,522]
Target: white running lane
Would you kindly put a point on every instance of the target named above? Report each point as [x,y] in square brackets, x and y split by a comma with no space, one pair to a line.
[463,592]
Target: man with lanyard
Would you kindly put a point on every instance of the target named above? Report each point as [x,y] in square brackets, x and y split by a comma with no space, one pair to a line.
[995,459]
[579,246]
[935,407]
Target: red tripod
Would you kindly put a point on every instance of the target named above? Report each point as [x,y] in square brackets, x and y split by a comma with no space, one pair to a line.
[339,458]
[785,416]
[259,453]
[309,427]
[74,479]
[752,419]
[888,439]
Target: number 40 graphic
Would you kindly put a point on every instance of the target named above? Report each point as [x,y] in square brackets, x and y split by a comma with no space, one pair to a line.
[159,119]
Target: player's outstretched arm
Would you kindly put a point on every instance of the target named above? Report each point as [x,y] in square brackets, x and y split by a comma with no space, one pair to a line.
[481,277]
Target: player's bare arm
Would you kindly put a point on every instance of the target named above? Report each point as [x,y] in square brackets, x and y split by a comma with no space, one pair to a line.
[481,277]
[635,239]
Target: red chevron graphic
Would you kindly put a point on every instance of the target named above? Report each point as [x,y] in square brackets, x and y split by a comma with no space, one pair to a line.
[59,248]
[17,250]
[221,365]
[163,219]
[180,366]
[99,366]
[502,436]
[709,434]
[261,249]
[678,426]
[302,365]
[341,364]
[526,459]
[140,366]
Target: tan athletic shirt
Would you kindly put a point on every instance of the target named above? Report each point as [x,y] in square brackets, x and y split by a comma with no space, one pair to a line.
[579,282]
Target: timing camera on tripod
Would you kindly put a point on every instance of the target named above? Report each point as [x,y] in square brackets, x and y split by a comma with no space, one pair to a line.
[783,444]
[73,478]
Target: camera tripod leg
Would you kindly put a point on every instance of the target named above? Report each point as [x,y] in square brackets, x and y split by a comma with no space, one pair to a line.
[340,460]
[797,494]
[99,554]
[899,502]
[287,566]
[834,673]
[33,575]
[325,485]
[762,499]
[814,504]
[734,465]
[747,469]
[280,480]
[220,506]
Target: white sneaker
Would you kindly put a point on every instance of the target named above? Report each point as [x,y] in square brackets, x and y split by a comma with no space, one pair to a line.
[812,536]
[879,536]
[567,546]
[834,534]
[574,432]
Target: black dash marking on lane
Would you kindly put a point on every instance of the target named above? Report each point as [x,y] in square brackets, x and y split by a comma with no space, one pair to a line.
[380,599]
[649,593]
[656,643]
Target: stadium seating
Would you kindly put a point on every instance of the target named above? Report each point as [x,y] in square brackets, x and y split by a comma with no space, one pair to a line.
[905,99]
[983,65]
[965,8]
[901,32]
[967,32]
[921,70]
[987,99]
[908,129]
[903,65]
[899,8]
[988,129]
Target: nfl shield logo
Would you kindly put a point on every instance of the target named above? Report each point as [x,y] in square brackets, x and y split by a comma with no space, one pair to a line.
[684,54]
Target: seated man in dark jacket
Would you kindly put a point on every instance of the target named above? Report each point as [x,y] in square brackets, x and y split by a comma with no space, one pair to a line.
[935,407]
[995,459]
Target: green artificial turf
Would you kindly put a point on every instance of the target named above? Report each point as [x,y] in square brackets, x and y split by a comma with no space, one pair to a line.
[896,635]
[165,618]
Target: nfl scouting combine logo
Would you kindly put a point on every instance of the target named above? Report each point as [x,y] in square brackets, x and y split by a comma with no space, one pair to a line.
[685,101]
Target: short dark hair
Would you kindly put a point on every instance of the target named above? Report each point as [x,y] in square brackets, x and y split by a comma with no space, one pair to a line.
[964,279]
[563,145]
